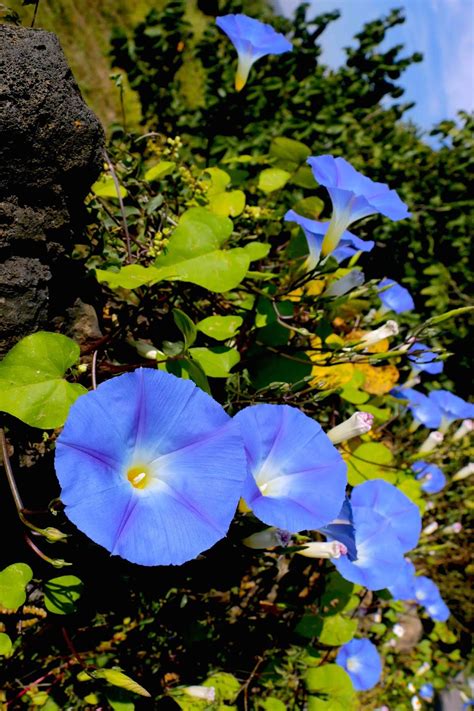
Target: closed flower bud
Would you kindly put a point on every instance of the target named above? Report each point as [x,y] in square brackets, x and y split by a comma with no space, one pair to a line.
[54,534]
[386,331]
[323,550]
[464,472]
[147,350]
[205,693]
[430,528]
[268,538]
[465,428]
[360,423]
[433,440]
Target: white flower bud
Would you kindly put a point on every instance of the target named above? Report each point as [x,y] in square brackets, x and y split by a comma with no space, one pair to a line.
[464,472]
[423,669]
[416,703]
[386,331]
[453,528]
[205,693]
[268,538]
[433,440]
[464,428]
[430,528]
[398,630]
[147,350]
[360,423]
[334,549]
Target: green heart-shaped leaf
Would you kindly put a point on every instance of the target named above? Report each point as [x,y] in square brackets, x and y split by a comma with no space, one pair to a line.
[13,582]
[32,386]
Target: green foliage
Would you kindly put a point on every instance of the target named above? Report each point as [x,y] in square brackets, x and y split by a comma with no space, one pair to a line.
[13,581]
[62,593]
[31,379]
[6,645]
[330,688]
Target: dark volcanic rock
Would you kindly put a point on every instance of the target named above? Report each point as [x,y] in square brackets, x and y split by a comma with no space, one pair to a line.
[50,154]
[48,136]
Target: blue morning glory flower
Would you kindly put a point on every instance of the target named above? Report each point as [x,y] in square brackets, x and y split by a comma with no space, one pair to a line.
[423,409]
[422,359]
[391,503]
[386,525]
[431,476]
[296,477]
[253,40]
[360,659]
[315,231]
[451,406]
[150,467]
[404,586]
[379,553]
[428,595]
[396,298]
[427,692]
[353,197]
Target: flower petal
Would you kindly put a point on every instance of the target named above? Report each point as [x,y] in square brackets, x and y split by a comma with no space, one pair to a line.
[296,476]
[391,503]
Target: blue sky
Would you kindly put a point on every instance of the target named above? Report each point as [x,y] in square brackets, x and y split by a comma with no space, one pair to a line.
[443,30]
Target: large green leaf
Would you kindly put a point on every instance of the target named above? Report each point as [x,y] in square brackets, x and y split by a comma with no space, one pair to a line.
[13,581]
[186,326]
[194,254]
[163,168]
[217,361]
[333,687]
[333,630]
[62,593]
[289,149]
[371,460]
[32,386]
[105,187]
[220,327]
[118,678]
[272,179]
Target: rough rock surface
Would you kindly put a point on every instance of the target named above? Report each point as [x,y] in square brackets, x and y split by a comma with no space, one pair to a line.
[50,153]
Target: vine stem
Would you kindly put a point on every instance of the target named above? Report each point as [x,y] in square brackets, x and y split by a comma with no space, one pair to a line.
[122,206]
[94,371]
[9,473]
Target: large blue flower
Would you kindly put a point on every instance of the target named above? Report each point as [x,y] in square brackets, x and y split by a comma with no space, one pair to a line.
[451,406]
[296,477]
[391,503]
[315,231]
[353,197]
[253,40]
[431,476]
[395,298]
[422,359]
[379,553]
[423,409]
[428,595]
[386,525]
[360,659]
[150,467]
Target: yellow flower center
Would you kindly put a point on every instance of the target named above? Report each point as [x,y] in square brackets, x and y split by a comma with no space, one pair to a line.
[139,476]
